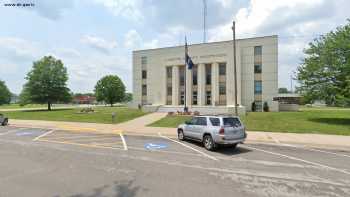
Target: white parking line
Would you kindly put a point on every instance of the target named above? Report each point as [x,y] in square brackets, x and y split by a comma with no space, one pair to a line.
[187,146]
[40,136]
[298,159]
[124,142]
[322,151]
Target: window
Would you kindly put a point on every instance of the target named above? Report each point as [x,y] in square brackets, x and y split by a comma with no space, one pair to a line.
[258,105]
[231,122]
[143,60]
[182,98]
[182,75]
[222,69]
[257,50]
[222,88]
[208,74]
[144,90]
[169,72]
[208,98]
[194,75]
[202,121]
[194,98]
[257,68]
[257,87]
[144,74]
[169,91]
[215,121]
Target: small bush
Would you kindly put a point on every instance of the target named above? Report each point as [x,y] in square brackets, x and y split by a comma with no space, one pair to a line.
[266,107]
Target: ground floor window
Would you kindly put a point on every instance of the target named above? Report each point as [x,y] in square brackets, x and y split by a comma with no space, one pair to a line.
[182,98]
[195,98]
[208,97]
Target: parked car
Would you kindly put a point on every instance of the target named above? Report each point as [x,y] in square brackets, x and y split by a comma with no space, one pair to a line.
[3,120]
[213,131]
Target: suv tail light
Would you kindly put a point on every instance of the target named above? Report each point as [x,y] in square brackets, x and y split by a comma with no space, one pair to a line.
[222,131]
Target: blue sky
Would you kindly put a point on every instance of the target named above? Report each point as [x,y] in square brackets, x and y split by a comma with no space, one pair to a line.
[96,37]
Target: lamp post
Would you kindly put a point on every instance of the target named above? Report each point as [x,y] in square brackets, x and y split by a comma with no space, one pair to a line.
[234,64]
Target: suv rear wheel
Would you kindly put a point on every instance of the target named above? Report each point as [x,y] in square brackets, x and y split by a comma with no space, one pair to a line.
[5,122]
[180,135]
[209,143]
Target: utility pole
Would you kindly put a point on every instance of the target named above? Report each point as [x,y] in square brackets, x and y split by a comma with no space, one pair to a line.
[234,64]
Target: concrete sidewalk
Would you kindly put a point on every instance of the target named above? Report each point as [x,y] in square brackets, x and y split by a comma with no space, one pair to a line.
[138,126]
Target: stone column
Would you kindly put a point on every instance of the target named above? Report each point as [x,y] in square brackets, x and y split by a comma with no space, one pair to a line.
[188,86]
[175,85]
[201,84]
[215,83]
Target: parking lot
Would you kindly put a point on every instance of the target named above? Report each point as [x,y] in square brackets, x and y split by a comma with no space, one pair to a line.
[78,162]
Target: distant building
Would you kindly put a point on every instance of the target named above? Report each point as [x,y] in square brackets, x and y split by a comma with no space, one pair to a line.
[159,76]
[288,101]
[84,99]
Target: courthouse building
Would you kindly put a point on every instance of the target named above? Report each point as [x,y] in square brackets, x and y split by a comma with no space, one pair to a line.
[159,76]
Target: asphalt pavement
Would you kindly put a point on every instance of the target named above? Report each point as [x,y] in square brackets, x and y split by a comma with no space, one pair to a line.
[43,162]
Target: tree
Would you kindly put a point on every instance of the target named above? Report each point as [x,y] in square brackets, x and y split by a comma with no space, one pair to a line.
[5,94]
[128,97]
[325,71]
[283,90]
[46,83]
[110,89]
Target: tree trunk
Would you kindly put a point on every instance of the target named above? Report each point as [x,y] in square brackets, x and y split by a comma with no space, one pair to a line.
[111,104]
[49,106]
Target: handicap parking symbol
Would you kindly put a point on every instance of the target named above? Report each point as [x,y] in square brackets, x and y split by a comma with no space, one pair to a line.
[153,146]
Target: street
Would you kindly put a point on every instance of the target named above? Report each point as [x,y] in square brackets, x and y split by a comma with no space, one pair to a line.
[42,162]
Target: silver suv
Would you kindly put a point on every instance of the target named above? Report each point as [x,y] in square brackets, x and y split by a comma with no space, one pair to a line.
[213,131]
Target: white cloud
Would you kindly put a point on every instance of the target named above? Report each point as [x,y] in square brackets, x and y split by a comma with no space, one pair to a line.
[132,39]
[130,9]
[18,49]
[99,43]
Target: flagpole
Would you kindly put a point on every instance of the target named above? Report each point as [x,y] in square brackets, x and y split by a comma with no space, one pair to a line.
[185,72]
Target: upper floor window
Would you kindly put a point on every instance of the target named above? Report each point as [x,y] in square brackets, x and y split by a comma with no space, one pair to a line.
[194,75]
[257,68]
[169,72]
[143,60]
[257,87]
[222,88]
[257,50]
[222,69]
[144,74]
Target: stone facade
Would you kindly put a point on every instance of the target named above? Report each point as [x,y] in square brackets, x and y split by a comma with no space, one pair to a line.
[158,75]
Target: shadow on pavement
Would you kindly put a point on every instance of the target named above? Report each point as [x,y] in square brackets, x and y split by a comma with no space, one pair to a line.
[225,150]
[118,189]
[335,121]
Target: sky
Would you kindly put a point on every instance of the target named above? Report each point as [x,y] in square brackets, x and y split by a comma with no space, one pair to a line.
[95,38]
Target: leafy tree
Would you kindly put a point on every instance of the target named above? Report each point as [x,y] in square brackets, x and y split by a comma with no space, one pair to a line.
[110,89]
[283,90]
[46,83]
[128,97]
[5,94]
[325,71]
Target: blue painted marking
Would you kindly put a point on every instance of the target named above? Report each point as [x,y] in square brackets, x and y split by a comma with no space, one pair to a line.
[24,133]
[152,146]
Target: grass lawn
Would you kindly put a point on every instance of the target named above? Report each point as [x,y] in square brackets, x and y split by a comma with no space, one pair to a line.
[17,106]
[307,120]
[101,115]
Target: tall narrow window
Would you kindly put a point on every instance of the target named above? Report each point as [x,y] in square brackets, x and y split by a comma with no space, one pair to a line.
[208,74]
[257,68]
[144,90]
[222,69]
[194,75]
[144,60]
[169,85]
[144,74]
[257,50]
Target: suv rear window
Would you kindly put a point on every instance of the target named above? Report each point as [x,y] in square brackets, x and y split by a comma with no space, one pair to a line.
[232,122]
[215,121]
